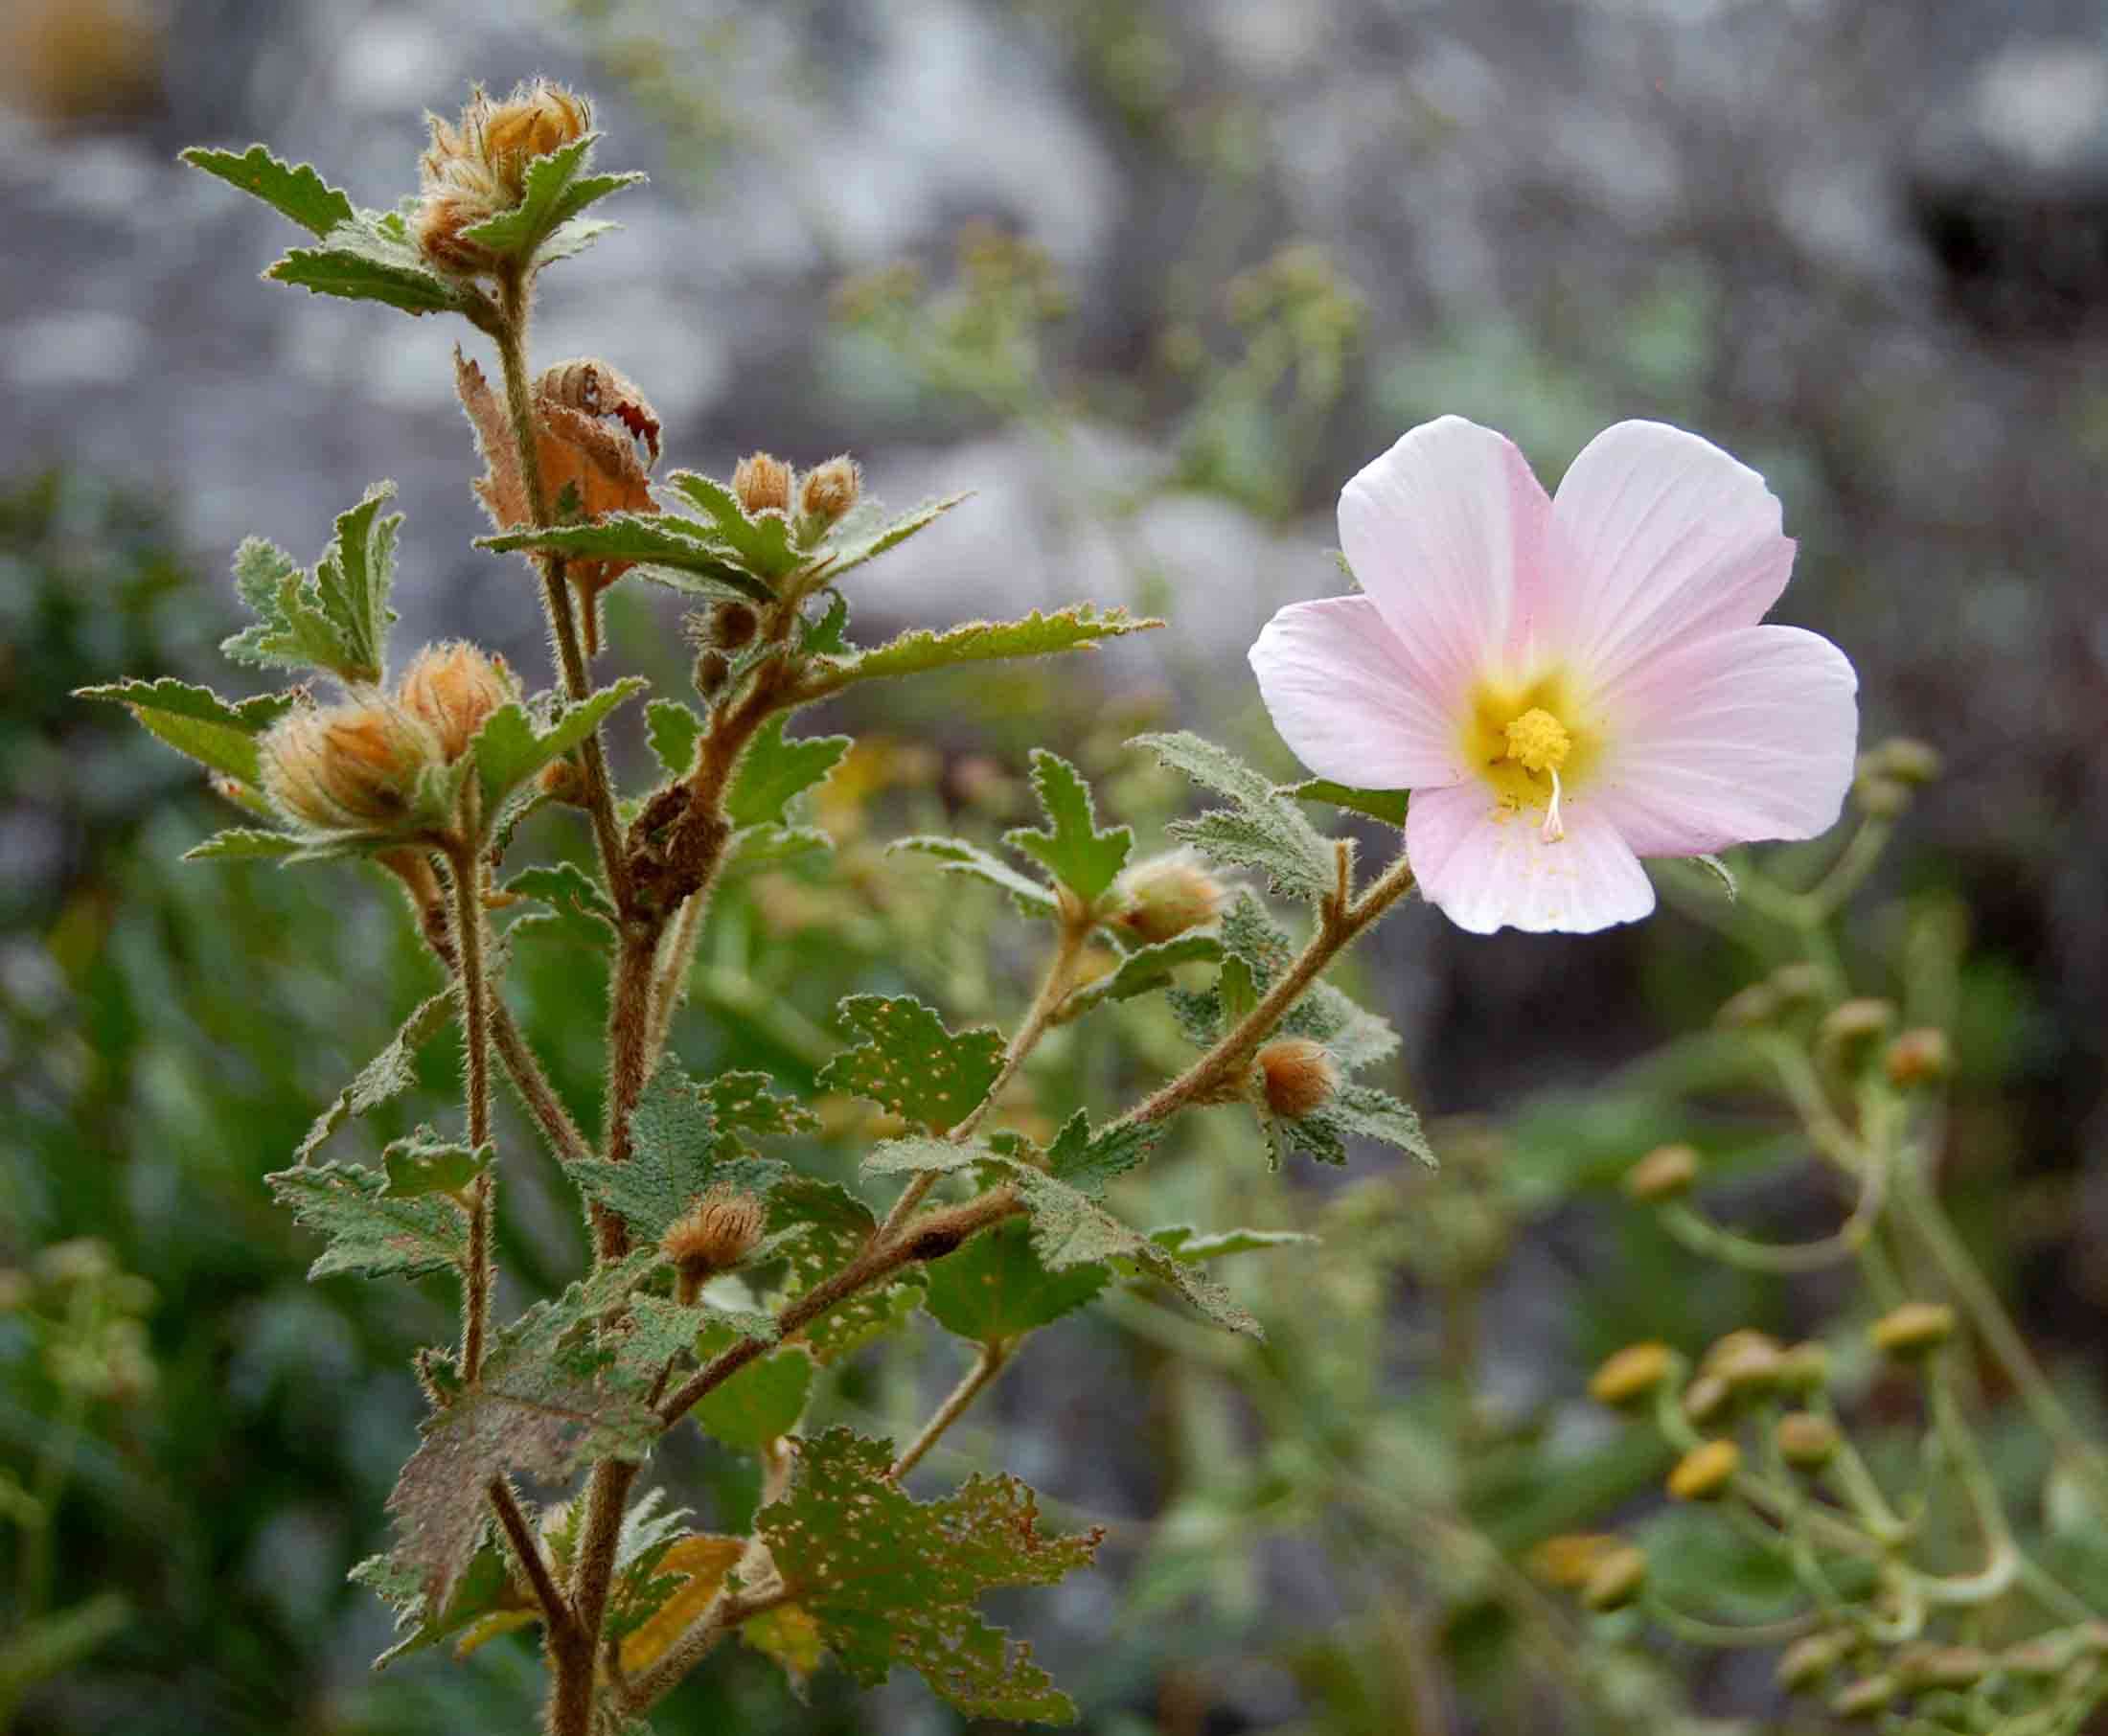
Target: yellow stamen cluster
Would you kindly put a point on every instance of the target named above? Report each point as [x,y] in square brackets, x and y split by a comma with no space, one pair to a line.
[1538,741]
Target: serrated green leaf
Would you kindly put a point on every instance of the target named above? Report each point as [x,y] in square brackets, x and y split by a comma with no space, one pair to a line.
[1190,1245]
[765,846]
[1144,970]
[909,1063]
[828,636]
[672,729]
[816,1227]
[389,1074]
[364,260]
[958,856]
[1071,847]
[1386,804]
[243,843]
[336,619]
[1364,1113]
[844,556]
[556,190]
[370,1234]
[678,1154]
[573,903]
[762,544]
[426,1164]
[514,742]
[759,1403]
[891,1581]
[773,770]
[658,542]
[297,193]
[1037,635]
[745,1103]
[1092,1161]
[1266,831]
[995,1287]
[485,1589]
[195,720]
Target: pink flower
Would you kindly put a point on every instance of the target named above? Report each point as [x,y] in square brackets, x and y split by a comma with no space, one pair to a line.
[1569,684]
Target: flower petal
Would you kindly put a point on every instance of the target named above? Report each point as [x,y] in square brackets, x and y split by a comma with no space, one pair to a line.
[1662,537]
[1488,866]
[1730,739]
[1348,699]
[1447,532]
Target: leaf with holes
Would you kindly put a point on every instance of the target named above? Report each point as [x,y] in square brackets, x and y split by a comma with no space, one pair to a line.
[909,1063]
[1071,847]
[772,770]
[370,1233]
[889,1580]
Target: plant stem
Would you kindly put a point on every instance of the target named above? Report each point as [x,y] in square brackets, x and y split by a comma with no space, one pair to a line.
[475,1306]
[972,1384]
[527,1551]
[533,1086]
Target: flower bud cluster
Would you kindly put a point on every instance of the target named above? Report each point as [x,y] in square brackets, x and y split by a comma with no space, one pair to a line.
[477,168]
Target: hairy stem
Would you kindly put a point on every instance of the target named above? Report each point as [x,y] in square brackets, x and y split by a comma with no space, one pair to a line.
[533,1086]
[972,1384]
[556,1613]
[475,1022]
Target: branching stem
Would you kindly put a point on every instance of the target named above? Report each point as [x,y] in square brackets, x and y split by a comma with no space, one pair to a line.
[972,1384]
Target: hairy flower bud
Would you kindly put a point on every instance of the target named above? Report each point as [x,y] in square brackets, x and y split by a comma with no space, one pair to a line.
[1703,1473]
[721,1229]
[350,767]
[1912,1330]
[733,623]
[1165,897]
[1616,1580]
[1298,1076]
[477,168]
[451,689]
[712,669]
[830,490]
[763,484]
[1917,1057]
[1632,1374]
[1805,1440]
[1664,1174]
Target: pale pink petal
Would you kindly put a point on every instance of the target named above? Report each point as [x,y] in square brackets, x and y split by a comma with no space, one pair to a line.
[1447,532]
[1346,698]
[1487,866]
[1727,740]
[1662,537]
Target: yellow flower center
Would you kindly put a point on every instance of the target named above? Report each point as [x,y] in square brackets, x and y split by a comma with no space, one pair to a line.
[1539,740]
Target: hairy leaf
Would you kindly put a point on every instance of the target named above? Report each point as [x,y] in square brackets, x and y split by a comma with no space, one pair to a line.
[982,642]
[426,1164]
[1265,831]
[338,618]
[889,1580]
[389,1074]
[909,1063]
[845,555]
[1386,804]
[1072,847]
[297,193]
[761,545]
[1145,968]
[677,1155]
[1093,1162]
[516,742]
[995,1287]
[957,857]
[558,188]
[366,260]
[371,1233]
[1364,1113]
[657,541]
[484,1594]
[772,770]
[239,843]
[195,720]
[816,1228]
[673,730]
[759,1403]
[573,904]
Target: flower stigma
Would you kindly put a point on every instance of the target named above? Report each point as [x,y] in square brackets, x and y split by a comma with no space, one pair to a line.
[1538,741]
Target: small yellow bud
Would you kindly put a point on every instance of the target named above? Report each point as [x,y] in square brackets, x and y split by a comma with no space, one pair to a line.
[1748,1009]
[1805,1440]
[1748,1360]
[1632,1374]
[1706,1399]
[1906,759]
[1804,1368]
[1863,1697]
[1880,798]
[451,689]
[1703,1473]
[763,484]
[716,1234]
[1166,895]
[350,767]
[1912,1330]
[1917,1057]
[830,490]
[1664,1174]
[1568,1560]
[1616,1580]
[1804,1663]
[1298,1076]
[1852,1027]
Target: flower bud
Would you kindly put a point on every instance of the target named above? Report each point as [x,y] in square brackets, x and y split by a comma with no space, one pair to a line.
[1298,1076]
[1806,1441]
[1748,1360]
[1165,897]
[1703,1473]
[713,669]
[1568,1560]
[1914,1330]
[830,490]
[1917,1057]
[1664,1174]
[716,1234]
[763,484]
[1706,1399]
[1632,1374]
[350,767]
[1616,1580]
[1863,1697]
[732,625]
[1804,1663]
[1852,1027]
[1905,759]
[451,689]
[477,168]
[1804,1368]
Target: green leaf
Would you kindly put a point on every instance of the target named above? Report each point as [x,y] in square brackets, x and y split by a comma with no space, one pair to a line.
[759,1403]
[299,193]
[1072,847]
[816,1228]
[890,1580]
[679,1152]
[761,545]
[958,856]
[1353,1037]
[556,190]
[847,556]
[658,541]
[366,261]
[425,1164]
[826,637]
[370,1233]
[243,843]
[772,770]
[672,729]
[484,1589]
[195,720]
[1037,635]
[1265,831]
[909,1063]
[1190,1245]
[1386,804]
[995,1287]
[1143,970]
[744,1102]
[1364,1113]
[337,619]
[389,1074]
[515,742]
[573,904]
[1091,1162]
[552,1396]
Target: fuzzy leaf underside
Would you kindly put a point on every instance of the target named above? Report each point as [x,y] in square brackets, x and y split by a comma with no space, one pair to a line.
[955,855]
[389,1074]
[909,1063]
[368,259]
[1071,847]
[1037,635]
[846,557]
[370,1233]
[658,541]
[334,619]
[1265,831]
[890,1580]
